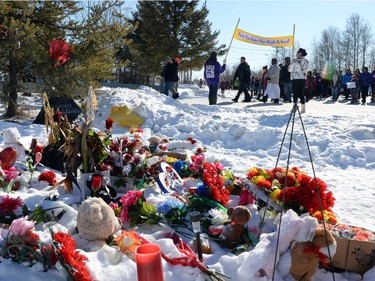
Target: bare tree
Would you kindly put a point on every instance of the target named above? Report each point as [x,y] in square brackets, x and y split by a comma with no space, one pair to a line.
[352,34]
[365,40]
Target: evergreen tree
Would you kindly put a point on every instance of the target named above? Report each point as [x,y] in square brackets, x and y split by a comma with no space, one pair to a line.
[94,32]
[172,28]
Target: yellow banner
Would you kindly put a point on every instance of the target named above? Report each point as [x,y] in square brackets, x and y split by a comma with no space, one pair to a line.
[280,41]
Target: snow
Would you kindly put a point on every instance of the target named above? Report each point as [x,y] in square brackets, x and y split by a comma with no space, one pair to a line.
[336,141]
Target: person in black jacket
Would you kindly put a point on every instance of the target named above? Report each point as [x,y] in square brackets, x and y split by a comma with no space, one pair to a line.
[285,80]
[170,75]
[243,73]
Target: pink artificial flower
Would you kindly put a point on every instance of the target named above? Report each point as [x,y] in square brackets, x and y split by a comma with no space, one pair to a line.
[20,226]
[10,174]
[246,198]
[38,157]
[124,214]
[219,166]
[113,205]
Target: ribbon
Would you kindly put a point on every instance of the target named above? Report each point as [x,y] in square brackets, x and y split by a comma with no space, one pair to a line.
[316,251]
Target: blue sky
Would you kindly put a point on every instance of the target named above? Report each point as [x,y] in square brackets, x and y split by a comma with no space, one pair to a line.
[276,18]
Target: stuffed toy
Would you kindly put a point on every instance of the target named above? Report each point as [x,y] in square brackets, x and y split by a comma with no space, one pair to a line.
[234,229]
[307,251]
[96,221]
[307,255]
[98,185]
[154,143]
[12,138]
[259,263]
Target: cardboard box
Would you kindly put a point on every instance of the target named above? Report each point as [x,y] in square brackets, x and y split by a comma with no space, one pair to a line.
[354,255]
[361,256]
[339,259]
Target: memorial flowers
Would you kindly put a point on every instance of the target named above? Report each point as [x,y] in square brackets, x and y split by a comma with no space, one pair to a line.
[70,259]
[134,209]
[296,190]
[353,232]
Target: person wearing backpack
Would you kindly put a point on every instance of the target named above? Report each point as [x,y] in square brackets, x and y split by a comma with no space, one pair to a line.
[212,71]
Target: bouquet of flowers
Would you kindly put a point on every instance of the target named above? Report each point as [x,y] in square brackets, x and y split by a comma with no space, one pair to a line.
[352,232]
[22,242]
[69,258]
[213,181]
[296,190]
[135,209]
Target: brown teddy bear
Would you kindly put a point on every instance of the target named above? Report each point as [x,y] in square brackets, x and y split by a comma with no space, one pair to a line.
[234,229]
[307,255]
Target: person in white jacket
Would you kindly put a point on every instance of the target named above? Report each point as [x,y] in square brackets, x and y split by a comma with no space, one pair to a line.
[273,89]
[298,69]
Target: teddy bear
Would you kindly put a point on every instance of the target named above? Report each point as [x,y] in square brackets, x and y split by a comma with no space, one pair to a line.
[154,142]
[307,255]
[308,249]
[96,221]
[234,229]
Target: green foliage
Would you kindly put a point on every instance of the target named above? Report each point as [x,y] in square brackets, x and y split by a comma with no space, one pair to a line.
[94,30]
[177,28]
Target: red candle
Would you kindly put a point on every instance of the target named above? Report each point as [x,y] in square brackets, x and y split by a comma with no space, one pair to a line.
[149,265]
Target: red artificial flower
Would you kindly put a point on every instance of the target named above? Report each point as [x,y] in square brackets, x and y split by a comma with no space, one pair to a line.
[211,177]
[57,116]
[60,52]
[127,157]
[96,182]
[9,204]
[108,123]
[38,148]
[48,176]
[72,260]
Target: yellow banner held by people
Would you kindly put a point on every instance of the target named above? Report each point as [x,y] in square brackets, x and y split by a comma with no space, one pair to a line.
[280,41]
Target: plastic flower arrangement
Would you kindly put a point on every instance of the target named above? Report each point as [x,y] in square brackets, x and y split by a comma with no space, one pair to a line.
[22,242]
[70,259]
[174,211]
[135,209]
[296,190]
[126,155]
[354,233]
[211,176]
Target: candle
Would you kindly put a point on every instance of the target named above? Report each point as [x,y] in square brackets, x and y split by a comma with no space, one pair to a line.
[149,265]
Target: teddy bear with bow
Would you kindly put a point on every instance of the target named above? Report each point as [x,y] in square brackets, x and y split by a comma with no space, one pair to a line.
[312,246]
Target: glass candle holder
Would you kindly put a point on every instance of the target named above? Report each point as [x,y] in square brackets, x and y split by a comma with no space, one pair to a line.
[149,264]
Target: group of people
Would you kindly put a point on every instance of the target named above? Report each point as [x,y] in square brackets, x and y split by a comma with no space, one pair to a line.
[353,86]
[293,75]
[292,81]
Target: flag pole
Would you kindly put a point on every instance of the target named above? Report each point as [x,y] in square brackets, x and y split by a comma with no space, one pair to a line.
[294,30]
[230,44]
